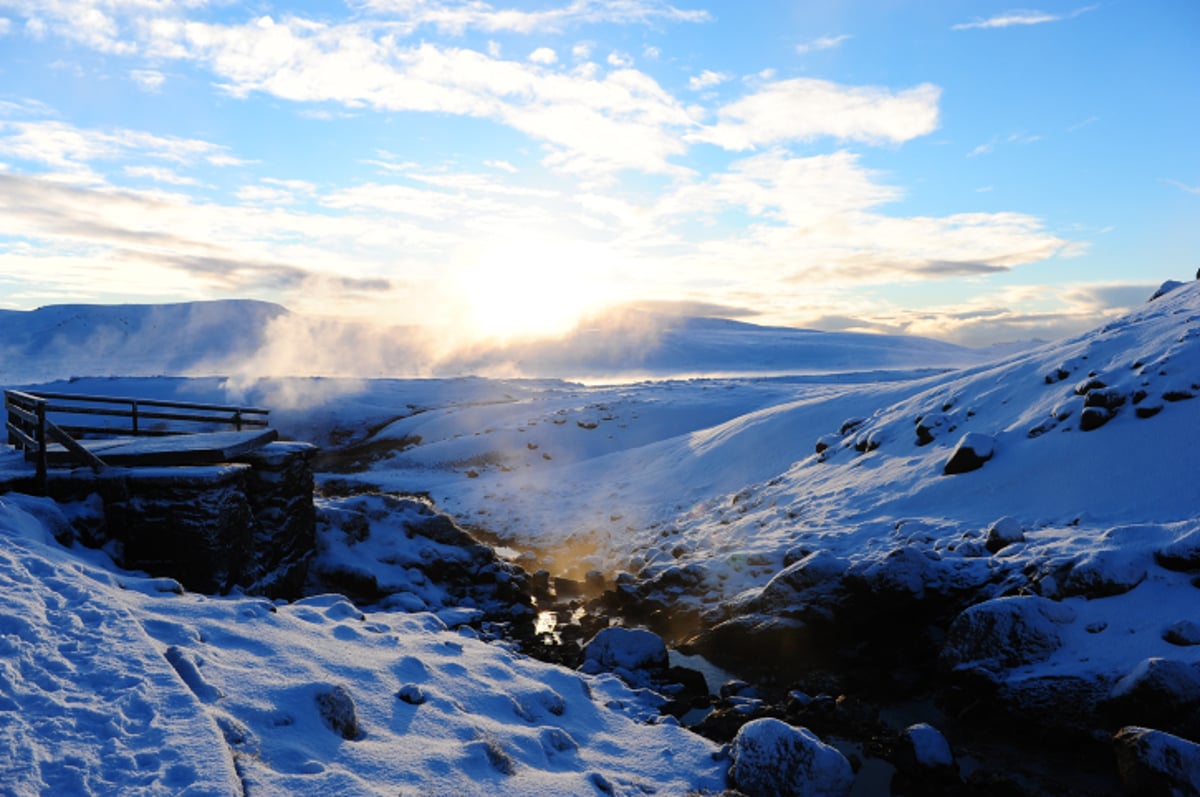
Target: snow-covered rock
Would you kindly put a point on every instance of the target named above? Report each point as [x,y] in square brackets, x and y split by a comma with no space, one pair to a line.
[773,759]
[973,449]
[928,746]
[1156,763]
[1099,574]
[637,655]
[1004,532]
[1006,632]
[1160,692]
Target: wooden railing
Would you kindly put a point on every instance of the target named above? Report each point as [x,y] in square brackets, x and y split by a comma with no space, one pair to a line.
[31,429]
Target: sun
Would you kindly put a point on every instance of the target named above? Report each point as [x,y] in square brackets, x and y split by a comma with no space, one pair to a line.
[536,288]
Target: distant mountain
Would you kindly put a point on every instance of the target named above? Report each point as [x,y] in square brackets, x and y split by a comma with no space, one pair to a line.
[61,341]
[253,338]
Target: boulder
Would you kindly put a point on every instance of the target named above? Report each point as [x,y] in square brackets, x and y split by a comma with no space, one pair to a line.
[820,568]
[773,759]
[1185,633]
[1005,632]
[337,709]
[1181,554]
[1157,764]
[1004,532]
[1161,692]
[638,656]
[972,451]
[1100,574]
[903,573]
[1094,417]
[928,427]
[925,747]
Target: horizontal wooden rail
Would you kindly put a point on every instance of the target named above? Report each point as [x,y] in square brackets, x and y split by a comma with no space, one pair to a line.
[30,430]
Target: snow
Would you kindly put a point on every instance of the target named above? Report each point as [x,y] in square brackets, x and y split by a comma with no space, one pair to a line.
[114,682]
[718,478]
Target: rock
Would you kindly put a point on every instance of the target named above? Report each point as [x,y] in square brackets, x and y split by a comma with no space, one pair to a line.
[849,425]
[1002,533]
[338,711]
[820,568]
[1109,398]
[1184,633]
[926,747]
[904,573]
[825,442]
[1161,692]
[411,694]
[1157,764]
[1100,574]
[1181,554]
[773,759]
[756,638]
[972,451]
[1166,288]
[1005,632]
[928,427]
[638,656]
[1094,417]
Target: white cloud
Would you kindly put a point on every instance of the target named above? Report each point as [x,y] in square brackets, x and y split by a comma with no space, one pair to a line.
[457,18]
[651,53]
[160,175]
[62,146]
[1022,18]
[619,59]
[707,79]
[543,55]
[5,26]
[982,149]
[802,109]
[582,51]
[148,79]
[1190,189]
[503,166]
[822,43]
[493,49]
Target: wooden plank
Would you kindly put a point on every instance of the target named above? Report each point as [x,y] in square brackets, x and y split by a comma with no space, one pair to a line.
[27,442]
[151,403]
[227,420]
[29,417]
[196,449]
[68,442]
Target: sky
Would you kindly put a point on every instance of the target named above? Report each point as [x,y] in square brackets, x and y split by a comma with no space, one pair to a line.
[971,171]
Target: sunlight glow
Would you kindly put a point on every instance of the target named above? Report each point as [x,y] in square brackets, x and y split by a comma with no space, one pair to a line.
[523,289]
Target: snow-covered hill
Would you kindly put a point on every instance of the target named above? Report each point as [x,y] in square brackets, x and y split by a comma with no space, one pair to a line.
[250,339]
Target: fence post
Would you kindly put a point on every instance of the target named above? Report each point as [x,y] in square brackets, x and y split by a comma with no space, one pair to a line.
[40,436]
[237,419]
[135,418]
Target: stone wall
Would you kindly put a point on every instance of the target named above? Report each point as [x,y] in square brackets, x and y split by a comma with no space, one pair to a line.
[249,523]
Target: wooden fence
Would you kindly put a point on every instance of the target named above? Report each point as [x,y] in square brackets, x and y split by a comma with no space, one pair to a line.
[79,417]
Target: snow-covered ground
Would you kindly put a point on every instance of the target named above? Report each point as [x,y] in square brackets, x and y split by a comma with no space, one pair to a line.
[1089,538]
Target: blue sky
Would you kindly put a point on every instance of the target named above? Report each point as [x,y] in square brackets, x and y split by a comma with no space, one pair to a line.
[976,172]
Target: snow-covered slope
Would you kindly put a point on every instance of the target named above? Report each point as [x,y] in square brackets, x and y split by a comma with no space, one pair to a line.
[114,683]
